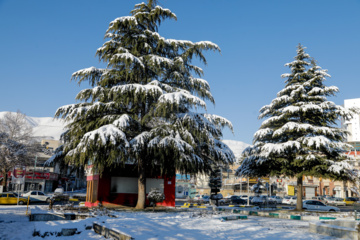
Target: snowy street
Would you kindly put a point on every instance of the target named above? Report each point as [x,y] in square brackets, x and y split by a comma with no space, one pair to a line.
[147,225]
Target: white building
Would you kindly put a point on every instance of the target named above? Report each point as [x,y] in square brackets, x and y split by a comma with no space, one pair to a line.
[353,125]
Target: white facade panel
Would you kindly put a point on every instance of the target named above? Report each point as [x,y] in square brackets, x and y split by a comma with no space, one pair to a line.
[309,192]
[130,185]
[353,125]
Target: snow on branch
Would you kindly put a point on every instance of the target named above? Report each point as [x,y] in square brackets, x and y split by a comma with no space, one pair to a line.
[175,142]
[137,89]
[199,82]
[293,126]
[338,167]
[94,93]
[105,135]
[123,22]
[93,74]
[180,98]
[261,133]
[207,45]
[279,148]
[223,152]
[160,60]
[127,58]
[163,13]
[165,87]
[198,121]
[123,122]
[323,91]
[139,142]
[218,121]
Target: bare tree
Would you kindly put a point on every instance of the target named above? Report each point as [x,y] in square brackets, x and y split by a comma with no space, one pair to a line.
[16,144]
[16,127]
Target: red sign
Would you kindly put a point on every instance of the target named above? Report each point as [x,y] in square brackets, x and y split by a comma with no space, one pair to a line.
[19,172]
[37,175]
[278,180]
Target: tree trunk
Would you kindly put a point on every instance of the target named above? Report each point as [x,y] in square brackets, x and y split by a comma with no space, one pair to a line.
[345,189]
[141,185]
[4,181]
[299,187]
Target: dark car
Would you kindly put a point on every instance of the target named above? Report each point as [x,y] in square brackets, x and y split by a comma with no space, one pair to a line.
[237,200]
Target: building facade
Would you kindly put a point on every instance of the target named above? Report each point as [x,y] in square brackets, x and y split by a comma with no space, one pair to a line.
[119,185]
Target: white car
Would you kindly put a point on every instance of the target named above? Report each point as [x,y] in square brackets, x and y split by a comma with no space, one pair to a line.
[37,196]
[316,205]
[277,199]
[257,200]
[336,202]
[289,200]
[59,191]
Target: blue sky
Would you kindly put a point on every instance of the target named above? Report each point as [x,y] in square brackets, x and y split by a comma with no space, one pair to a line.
[43,42]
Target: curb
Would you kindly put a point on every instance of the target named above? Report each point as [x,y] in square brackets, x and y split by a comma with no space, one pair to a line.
[110,233]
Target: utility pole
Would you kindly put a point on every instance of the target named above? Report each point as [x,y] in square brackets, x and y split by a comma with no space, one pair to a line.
[248,187]
[34,172]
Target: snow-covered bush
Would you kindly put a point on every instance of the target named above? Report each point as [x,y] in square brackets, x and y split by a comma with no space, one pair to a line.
[155,196]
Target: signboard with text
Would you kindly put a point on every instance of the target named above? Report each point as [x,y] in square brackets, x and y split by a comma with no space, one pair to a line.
[18,175]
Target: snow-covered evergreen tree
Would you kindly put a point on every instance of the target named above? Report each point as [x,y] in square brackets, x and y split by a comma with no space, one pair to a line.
[299,136]
[141,108]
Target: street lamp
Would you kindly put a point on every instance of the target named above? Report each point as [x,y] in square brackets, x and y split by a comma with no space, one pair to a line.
[33,186]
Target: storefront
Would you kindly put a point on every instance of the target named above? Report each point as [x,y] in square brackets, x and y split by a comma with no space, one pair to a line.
[120,186]
[41,181]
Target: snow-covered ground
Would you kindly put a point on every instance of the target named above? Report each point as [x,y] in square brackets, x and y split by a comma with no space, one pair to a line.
[164,225]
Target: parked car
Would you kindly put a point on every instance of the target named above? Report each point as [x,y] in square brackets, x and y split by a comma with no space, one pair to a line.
[201,198]
[257,200]
[350,200]
[277,199]
[290,200]
[205,199]
[37,196]
[244,197]
[59,191]
[11,198]
[316,205]
[216,196]
[285,200]
[336,201]
[319,198]
[237,200]
[227,199]
[198,197]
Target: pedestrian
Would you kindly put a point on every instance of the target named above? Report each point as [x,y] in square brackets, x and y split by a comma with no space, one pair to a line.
[51,203]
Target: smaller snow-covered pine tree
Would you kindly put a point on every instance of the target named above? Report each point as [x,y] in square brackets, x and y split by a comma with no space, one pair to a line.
[155,196]
[215,179]
[300,136]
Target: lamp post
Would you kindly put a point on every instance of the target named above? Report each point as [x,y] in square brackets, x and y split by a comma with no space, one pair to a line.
[248,187]
[34,173]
